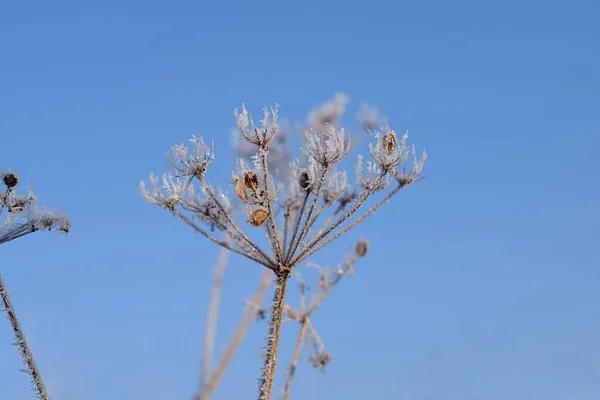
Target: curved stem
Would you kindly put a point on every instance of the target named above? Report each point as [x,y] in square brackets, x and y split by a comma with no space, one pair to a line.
[24,351]
[291,372]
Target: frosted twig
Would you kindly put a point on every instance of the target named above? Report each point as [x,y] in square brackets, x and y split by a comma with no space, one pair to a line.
[24,350]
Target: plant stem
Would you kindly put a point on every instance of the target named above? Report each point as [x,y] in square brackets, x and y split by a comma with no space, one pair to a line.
[290,376]
[266,383]
[211,330]
[24,351]
[240,333]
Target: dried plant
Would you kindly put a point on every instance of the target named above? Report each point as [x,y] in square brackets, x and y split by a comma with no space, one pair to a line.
[328,279]
[23,216]
[289,206]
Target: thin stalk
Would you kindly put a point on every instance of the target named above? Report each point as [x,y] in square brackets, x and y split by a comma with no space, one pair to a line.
[310,247]
[235,226]
[211,330]
[349,227]
[286,224]
[235,342]
[304,230]
[318,297]
[222,243]
[266,382]
[297,226]
[24,351]
[292,371]
[275,236]
[329,220]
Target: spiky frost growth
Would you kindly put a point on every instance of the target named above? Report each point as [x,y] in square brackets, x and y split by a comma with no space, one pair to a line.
[297,221]
[22,216]
[327,146]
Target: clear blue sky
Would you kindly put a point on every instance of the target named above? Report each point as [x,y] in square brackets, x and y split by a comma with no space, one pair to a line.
[483,279]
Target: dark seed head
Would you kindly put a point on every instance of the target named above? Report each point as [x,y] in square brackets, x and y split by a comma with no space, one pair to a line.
[10,179]
[304,180]
[362,247]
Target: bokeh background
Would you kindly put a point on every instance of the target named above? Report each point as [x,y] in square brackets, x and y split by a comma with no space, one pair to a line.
[482,280]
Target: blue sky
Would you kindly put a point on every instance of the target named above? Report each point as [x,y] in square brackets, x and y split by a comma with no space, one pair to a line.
[482,281]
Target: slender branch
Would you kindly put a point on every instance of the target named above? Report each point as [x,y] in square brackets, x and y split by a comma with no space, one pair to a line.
[24,351]
[329,220]
[266,384]
[310,247]
[252,245]
[239,335]
[222,243]
[349,227]
[292,371]
[310,212]
[317,299]
[275,236]
[16,232]
[286,224]
[213,310]
[318,213]
[297,226]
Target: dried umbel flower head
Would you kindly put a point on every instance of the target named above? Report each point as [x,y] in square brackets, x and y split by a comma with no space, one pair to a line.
[191,163]
[362,247]
[326,146]
[10,179]
[297,222]
[258,217]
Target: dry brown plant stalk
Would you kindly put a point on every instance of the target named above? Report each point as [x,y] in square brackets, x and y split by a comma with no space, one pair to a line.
[328,279]
[287,217]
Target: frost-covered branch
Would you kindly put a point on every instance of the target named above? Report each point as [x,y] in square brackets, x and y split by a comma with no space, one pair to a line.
[288,205]
[22,216]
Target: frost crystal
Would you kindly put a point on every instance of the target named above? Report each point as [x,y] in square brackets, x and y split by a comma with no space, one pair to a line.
[326,146]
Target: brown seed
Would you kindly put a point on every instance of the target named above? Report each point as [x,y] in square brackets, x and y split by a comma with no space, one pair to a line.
[251,180]
[239,189]
[389,142]
[362,247]
[258,217]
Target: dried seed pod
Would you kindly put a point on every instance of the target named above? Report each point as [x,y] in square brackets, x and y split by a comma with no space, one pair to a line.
[304,180]
[258,217]
[251,180]
[10,179]
[362,247]
[239,189]
[389,141]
